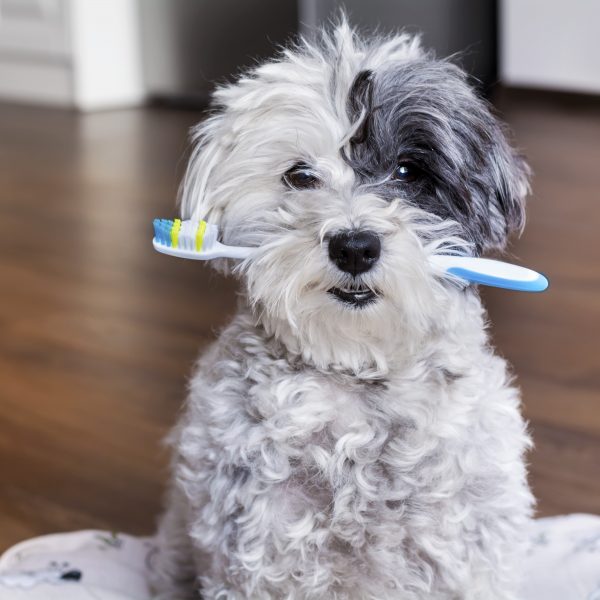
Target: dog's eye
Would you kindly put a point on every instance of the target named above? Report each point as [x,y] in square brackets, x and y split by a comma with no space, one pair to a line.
[406,171]
[300,177]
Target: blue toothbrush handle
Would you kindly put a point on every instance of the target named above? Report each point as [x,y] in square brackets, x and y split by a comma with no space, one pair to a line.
[490,272]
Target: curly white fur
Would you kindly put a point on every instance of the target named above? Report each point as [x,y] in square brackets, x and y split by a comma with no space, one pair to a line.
[325,450]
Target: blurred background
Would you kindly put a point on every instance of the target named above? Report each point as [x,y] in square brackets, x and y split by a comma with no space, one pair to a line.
[98,332]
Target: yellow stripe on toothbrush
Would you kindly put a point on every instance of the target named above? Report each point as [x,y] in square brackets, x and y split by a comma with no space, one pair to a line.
[175,233]
[200,235]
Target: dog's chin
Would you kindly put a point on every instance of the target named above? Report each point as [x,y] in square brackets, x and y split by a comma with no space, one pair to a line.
[354,297]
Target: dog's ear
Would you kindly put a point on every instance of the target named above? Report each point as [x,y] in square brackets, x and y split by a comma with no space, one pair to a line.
[198,193]
[488,178]
[505,179]
[426,109]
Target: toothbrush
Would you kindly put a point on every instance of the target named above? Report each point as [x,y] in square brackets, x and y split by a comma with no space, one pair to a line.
[494,273]
[193,239]
[197,240]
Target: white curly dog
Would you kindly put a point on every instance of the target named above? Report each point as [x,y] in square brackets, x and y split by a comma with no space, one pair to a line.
[351,434]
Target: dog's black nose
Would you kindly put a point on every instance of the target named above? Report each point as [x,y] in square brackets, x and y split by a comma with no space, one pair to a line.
[355,251]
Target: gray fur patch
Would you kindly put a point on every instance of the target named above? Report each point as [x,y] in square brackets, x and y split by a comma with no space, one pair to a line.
[426,113]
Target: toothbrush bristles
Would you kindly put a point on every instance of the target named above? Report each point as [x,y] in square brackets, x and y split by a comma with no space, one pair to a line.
[174,233]
[162,231]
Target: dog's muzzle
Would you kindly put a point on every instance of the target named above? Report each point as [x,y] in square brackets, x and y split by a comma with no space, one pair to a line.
[354,252]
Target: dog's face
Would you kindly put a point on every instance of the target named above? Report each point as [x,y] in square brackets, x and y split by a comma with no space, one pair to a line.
[348,164]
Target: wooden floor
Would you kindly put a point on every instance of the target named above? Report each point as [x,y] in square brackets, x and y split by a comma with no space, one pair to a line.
[98,332]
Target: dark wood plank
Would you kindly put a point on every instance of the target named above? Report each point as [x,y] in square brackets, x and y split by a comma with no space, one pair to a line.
[98,331]
[552,339]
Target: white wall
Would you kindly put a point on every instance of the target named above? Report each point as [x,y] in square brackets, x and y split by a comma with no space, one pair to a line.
[94,54]
[551,44]
[34,51]
[106,53]
[80,53]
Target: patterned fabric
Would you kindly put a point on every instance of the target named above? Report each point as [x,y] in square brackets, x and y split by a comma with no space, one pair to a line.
[563,559]
[111,566]
[563,563]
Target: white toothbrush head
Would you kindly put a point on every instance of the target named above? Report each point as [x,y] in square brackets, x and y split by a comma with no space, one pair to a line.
[196,240]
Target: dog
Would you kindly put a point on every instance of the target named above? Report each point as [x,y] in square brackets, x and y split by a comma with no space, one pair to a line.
[351,435]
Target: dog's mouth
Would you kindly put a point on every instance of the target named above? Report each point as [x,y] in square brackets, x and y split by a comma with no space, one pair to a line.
[357,297]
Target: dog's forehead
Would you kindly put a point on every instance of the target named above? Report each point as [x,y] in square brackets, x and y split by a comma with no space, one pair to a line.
[350,112]
[317,108]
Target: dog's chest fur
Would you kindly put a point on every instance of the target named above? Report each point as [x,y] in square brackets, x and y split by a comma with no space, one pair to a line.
[355,453]
[338,477]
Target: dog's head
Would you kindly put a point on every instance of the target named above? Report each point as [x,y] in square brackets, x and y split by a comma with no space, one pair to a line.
[348,163]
